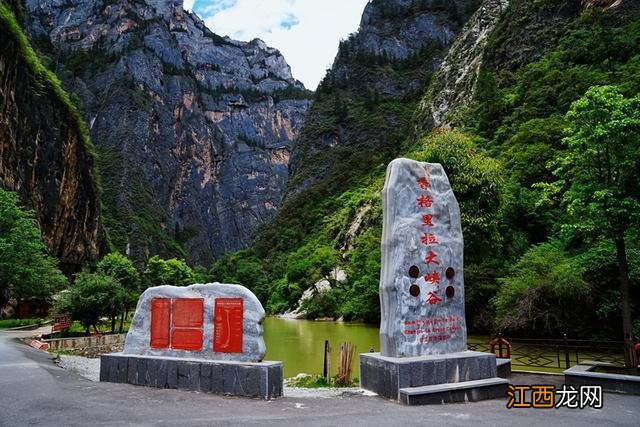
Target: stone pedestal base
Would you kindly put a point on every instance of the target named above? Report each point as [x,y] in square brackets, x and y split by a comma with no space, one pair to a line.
[454,377]
[262,379]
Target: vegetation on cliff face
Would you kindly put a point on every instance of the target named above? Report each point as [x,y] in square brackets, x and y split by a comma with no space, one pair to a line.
[193,130]
[551,241]
[45,152]
[522,247]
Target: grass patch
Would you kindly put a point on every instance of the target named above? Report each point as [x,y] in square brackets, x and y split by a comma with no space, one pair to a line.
[318,381]
[15,323]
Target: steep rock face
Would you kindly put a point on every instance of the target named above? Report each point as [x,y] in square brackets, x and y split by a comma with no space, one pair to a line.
[503,36]
[453,86]
[385,65]
[44,155]
[193,130]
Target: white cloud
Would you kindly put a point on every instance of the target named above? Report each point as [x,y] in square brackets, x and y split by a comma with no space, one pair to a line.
[188,4]
[307,32]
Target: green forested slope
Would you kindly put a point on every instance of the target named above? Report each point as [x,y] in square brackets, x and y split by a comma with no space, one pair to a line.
[529,269]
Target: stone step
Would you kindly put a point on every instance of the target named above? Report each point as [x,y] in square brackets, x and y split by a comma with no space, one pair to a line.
[489,388]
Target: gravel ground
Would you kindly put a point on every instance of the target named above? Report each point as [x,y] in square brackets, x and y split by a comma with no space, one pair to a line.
[90,369]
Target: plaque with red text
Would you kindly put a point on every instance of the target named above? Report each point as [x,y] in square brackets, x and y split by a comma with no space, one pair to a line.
[160,322]
[228,325]
[187,316]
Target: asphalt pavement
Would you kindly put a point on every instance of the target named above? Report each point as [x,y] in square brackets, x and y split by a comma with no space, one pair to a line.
[35,391]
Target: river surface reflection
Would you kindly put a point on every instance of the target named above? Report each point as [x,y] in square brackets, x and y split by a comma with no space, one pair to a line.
[300,343]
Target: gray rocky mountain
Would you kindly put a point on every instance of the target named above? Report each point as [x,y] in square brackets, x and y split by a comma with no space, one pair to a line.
[193,130]
[383,67]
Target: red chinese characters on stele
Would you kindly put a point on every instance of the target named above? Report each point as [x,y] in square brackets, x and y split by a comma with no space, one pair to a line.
[424,201]
[177,323]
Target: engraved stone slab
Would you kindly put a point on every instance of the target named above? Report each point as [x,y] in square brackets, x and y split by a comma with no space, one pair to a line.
[422,281]
[214,321]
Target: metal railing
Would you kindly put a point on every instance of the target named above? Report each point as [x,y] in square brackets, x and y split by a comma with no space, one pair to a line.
[551,354]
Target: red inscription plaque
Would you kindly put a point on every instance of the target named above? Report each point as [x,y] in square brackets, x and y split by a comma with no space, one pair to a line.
[228,325]
[186,339]
[188,312]
[160,322]
[187,316]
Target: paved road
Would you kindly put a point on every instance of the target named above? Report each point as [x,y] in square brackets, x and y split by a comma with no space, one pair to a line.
[34,391]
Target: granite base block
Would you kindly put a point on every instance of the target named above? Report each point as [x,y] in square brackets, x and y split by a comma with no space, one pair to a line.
[386,376]
[263,379]
[504,367]
[468,391]
[584,375]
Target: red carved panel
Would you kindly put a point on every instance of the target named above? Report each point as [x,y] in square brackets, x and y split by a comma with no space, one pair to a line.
[186,339]
[227,325]
[160,322]
[188,312]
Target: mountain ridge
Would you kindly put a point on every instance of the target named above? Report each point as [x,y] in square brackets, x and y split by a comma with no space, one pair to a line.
[193,130]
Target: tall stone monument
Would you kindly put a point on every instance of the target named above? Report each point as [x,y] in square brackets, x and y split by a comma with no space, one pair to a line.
[423,336]
[201,337]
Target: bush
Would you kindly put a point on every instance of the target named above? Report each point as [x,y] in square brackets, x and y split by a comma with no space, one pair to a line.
[173,272]
[92,296]
[544,294]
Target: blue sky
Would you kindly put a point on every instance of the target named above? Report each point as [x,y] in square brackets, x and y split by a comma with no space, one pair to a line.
[307,32]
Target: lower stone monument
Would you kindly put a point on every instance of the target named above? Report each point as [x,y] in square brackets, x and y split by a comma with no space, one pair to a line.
[201,337]
[423,334]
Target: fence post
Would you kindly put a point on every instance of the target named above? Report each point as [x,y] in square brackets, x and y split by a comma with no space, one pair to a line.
[325,362]
[566,352]
[500,344]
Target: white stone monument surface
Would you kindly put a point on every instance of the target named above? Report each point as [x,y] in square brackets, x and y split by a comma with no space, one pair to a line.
[422,281]
[239,336]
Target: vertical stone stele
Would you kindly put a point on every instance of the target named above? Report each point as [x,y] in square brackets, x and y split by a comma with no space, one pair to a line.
[200,337]
[422,280]
[423,335]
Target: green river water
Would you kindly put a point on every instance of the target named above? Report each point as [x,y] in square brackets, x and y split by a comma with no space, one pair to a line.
[300,343]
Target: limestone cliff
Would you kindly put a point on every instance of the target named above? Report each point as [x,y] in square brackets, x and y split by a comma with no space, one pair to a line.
[453,85]
[503,36]
[193,130]
[366,101]
[45,154]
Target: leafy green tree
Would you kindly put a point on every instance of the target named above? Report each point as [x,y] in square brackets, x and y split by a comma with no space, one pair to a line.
[26,270]
[244,269]
[544,293]
[172,271]
[477,182]
[122,269]
[283,295]
[362,299]
[311,263]
[92,296]
[599,174]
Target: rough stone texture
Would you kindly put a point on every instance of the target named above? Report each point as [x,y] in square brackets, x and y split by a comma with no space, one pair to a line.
[453,86]
[504,367]
[413,38]
[387,375]
[582,375]
[224,377]
[253,347]
[469,391]
[44,159]
[193,130]
[410,325]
